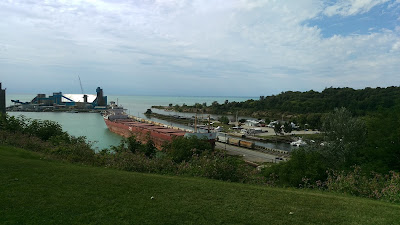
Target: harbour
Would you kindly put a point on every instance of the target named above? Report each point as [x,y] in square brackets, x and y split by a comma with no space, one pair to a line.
[93,127]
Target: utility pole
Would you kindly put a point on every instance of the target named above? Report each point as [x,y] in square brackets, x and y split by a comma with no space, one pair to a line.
[195,123]
[237,122]
[2,101]
[225,141]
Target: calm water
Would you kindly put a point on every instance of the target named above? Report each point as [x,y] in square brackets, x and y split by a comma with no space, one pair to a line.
[92,125]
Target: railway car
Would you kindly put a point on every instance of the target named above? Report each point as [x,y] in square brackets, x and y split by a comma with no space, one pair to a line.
[223,139]
[246,144]
[233,141]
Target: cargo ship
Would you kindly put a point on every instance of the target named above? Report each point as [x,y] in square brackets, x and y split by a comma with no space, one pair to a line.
[122,124]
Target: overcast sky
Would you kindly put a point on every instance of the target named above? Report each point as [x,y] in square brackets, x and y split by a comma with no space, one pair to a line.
[198,47]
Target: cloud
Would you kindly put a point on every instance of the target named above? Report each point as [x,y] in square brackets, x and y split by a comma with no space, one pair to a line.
[352,7]
[257,47]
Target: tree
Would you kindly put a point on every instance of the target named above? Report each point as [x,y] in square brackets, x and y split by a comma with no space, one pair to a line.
[132,144]
[287,127]
[182,149]
[278,128]
[224,120]
[303,164]
[198,105]
[344,135]
[149,149]
[383,151]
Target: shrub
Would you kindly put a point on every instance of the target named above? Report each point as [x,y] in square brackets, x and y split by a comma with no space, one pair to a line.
[220,167]
[304,164]
[43,129]
[376,186]
[182,149]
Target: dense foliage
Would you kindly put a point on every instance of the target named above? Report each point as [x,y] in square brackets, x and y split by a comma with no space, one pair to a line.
[359,156]
[357,101]
[305,107]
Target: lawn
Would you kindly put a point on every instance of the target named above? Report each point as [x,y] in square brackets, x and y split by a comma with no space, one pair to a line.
[36,190]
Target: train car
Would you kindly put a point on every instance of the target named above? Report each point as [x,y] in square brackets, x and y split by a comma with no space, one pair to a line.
[246,144]
[233,141]
[223,139]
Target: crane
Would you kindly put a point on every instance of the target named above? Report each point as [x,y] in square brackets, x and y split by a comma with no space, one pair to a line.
[81,85]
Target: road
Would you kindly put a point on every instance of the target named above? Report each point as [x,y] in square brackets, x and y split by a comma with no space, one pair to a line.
[249,155]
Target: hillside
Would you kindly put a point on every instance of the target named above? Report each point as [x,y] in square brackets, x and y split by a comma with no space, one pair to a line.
[36,190]
[359,101]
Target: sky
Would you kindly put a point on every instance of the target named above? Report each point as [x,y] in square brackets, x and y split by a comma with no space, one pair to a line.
[198,47]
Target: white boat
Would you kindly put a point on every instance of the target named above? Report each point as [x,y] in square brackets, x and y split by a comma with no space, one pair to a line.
[298,143]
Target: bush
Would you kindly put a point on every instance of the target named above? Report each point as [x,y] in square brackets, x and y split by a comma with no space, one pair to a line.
[43,129]
[376,186]
[220,166]
[183,149]
[303,165]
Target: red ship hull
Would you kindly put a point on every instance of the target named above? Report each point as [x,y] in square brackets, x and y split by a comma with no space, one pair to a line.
[143,131]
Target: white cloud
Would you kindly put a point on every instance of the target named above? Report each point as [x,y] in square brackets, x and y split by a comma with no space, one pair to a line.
[396,46]
[352,7]
[265,43]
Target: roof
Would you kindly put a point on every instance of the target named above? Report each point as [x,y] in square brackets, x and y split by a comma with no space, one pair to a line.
[78,98]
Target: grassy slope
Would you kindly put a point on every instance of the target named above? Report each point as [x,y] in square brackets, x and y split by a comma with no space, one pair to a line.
[39,191]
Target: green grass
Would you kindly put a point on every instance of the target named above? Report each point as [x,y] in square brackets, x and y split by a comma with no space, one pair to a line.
[35,190]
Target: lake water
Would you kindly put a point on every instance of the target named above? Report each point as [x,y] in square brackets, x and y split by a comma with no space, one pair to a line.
[92,125]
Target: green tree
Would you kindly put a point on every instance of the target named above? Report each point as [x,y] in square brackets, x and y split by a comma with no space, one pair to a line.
[149,149]
[278,128]
[304,164]
[132,144]
[287,127]
[383,143]
[43,129]
[224,119]
[198,106]
[13,124]
[345,135]
[182,149]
